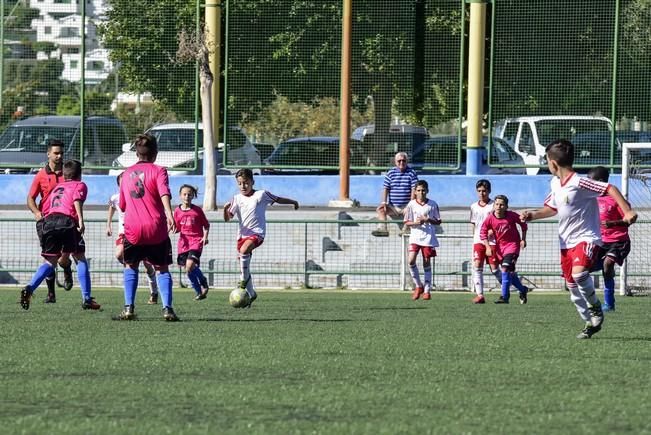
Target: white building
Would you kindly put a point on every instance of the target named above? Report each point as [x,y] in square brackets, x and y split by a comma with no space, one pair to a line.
[60,22]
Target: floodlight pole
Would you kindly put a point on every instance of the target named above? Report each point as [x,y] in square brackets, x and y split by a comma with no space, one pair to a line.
[475,84]
[344,114]
[213,41]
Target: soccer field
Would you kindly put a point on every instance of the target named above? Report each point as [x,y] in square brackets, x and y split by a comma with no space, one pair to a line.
[336,362]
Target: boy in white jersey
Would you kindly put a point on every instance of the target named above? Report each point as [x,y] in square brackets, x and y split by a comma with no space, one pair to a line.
[421,216]
[478,212]
[114,205]
[250,206]
[574,199]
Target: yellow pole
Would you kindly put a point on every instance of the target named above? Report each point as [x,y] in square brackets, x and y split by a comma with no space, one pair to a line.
[345,97]
[213,41]
[475,85]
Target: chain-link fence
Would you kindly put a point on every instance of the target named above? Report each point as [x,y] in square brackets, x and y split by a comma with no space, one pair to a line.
[64,60]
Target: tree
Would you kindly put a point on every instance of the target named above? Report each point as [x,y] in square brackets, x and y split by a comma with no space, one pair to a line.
[144,44]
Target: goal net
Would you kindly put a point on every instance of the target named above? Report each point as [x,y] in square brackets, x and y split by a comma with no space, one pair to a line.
[635,274]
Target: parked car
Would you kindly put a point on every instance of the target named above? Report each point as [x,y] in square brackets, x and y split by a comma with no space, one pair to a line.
[176,150]
[438,154]
[529,135]
[23,146]
[311,155]
[405,129]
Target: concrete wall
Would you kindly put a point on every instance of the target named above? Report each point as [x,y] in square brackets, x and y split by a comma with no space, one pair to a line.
[318,190]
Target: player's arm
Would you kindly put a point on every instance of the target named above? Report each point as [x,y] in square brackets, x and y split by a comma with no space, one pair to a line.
[630,215]
[385,198]
[80,214]
[483,236]
[287,201]
[435,216]
[227,212]
[541,213]
[31,199]
[167,205]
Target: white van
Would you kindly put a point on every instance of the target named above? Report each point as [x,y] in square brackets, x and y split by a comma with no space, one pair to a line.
[529,135]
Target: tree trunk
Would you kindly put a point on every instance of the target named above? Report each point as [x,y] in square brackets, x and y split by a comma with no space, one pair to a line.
[210,172]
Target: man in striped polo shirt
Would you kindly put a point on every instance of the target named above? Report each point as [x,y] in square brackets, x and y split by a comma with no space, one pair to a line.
[397,191]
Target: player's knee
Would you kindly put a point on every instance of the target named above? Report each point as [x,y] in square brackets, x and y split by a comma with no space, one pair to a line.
[581,277]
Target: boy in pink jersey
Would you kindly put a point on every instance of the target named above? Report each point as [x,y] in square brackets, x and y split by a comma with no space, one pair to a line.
[574,200]
[421,216]
[478,212]
[63,227]
[250,206]
[145,201]
[614,235]
[193,228]
[503,224]
[113,207]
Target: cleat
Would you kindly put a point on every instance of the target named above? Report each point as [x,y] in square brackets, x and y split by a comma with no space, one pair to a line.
[427,296]
[501,300]
[170,315]
[126,314]
[90,304]
[67,279]
[50,299]
[25,297]
[479,299]
[380,233]
[596,315]
[153,299]
[415,295]
[588,331]
[201,296]
[606,307]
[251,299]
[523,298]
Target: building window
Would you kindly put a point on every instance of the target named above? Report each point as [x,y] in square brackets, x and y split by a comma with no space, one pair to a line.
[69,32]
[95,65]
[74,64]
[63,1]
[48,30]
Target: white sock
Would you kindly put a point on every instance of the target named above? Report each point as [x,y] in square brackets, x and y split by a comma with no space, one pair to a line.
[427,277]
[585,284]
[478,280]
[579,301]
[245,262]
[413,271]
[497,273]
[151,277]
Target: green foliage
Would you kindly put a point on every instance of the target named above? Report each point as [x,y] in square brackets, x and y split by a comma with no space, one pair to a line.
[44,46]
[144,45]
[284,119]
[68,105]
[21,18]
[323,362]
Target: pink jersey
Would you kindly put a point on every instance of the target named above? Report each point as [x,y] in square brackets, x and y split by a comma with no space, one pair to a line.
[575,201]
[190,224]
[506,233]
[250,211]
[63,197]
[141,189]
[610,211]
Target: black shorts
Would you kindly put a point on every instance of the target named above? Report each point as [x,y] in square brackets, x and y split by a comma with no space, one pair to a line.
[59,235]
[159,254]
[192,254]
[618,251]
[508,261]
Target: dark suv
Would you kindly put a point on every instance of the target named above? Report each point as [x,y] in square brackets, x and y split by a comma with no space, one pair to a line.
[23,145]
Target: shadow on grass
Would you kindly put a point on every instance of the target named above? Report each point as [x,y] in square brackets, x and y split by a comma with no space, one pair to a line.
[281,319]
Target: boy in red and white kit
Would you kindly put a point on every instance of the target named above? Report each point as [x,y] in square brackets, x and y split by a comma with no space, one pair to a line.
[421,216]
[479,210]
[574,200]
[249,207]
[63,226]
[614,235]
[193,228]
[503,224]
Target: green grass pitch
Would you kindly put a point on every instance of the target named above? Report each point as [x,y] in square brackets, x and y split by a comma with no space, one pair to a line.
[337,362]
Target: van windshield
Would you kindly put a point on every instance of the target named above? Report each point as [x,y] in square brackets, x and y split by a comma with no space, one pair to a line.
[34,138]
[553,129]
[176,139]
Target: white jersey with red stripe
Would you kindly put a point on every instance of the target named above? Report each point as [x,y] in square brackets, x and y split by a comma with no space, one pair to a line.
[250,211]
[423,234]
[478,214]
[575,201]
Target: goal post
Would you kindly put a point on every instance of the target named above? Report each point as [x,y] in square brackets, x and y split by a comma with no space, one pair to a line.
[636,188]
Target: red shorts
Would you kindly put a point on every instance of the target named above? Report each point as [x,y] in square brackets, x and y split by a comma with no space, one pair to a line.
[426,251]
[257,241]
[584,254]
[479,254]
[120,240]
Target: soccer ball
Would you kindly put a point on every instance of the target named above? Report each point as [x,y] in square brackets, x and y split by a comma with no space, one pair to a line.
[238,298]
